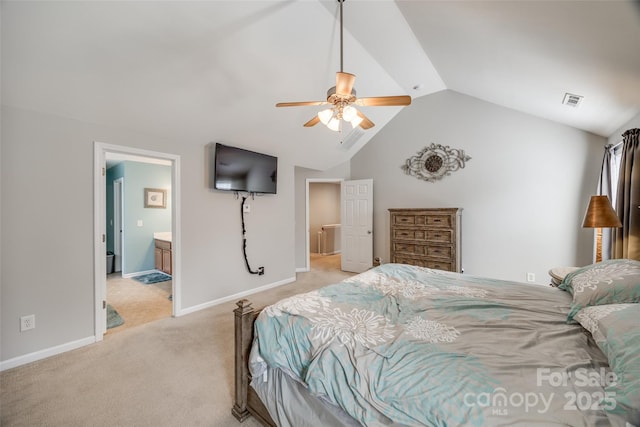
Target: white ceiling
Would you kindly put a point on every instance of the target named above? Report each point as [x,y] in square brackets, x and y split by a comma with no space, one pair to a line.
[207,71]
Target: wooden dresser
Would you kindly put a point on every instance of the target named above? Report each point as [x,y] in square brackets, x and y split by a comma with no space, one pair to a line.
[426,237]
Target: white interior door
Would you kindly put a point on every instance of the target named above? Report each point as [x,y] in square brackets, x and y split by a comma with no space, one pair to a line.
[357,225]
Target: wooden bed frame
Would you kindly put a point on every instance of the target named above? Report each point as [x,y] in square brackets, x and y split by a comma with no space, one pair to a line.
[247,401]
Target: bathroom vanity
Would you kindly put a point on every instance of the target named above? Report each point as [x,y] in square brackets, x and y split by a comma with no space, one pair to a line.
[163,254]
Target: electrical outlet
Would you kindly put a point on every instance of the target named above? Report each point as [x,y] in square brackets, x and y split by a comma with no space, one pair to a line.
[531,277]
[27,322]
[246,208]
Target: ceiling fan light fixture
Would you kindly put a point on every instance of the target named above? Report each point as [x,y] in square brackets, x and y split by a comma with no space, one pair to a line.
[349,113]
[325,115]
[334,124]
[355,122]
[342,95]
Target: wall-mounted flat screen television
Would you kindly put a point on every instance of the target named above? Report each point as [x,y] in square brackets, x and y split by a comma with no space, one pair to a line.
[237,169]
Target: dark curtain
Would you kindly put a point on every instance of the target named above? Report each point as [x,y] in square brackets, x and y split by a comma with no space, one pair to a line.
[626,240]
[606,188]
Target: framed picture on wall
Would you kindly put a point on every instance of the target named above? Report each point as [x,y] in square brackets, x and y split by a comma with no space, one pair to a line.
[155,198]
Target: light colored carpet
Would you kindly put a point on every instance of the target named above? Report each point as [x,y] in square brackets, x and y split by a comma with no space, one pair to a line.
[136,302]
[172,372]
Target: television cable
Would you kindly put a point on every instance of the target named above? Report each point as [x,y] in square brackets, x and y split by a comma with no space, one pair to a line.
[260,270]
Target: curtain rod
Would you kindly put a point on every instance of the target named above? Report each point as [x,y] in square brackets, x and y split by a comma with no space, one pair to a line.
[612,146]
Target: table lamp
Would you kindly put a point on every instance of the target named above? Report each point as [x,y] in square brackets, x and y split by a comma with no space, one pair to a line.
[600,214]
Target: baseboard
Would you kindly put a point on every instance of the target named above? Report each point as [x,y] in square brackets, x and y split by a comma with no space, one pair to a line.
[234,297]
[43,354]
[302,270]
[53,351]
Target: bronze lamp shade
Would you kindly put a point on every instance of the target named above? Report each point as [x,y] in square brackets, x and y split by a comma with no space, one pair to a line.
[600,214]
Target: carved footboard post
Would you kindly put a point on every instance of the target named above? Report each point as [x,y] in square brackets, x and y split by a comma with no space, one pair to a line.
[243,336]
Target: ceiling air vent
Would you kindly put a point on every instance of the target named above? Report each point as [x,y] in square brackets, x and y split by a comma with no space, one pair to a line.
[572,100]
[352,137]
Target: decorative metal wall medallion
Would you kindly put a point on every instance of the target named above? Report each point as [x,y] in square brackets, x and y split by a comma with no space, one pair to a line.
[435,162]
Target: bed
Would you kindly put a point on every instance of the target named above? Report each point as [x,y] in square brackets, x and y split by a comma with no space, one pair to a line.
[400,345]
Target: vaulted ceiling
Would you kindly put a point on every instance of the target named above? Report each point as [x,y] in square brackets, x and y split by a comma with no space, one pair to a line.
[207,71]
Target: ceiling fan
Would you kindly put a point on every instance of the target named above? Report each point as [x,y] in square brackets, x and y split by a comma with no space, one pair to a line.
[342,98]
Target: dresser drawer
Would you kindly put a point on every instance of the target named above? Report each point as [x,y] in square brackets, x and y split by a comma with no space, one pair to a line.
[404,220]
[445,252]
[444,236]
[402,248]
[438,221]
[423,220]
[406,234]
[409,249]
[422,262]
[430,235]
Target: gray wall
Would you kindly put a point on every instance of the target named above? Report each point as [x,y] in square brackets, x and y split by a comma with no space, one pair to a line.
[524,192]
[47,225]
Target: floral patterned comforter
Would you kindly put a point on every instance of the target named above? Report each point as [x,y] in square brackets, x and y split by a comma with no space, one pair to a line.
[420,347]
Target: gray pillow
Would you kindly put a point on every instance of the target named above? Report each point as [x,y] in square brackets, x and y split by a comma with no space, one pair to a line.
[614,328]
[614,281]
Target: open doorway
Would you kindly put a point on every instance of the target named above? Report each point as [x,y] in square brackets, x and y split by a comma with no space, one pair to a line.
[324,224]
[138,290]
[136,218]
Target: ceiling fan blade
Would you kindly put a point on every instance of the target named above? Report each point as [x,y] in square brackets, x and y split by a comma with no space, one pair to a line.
[312,122]
[365,123]
[300,104]
[344,83]
[382,101]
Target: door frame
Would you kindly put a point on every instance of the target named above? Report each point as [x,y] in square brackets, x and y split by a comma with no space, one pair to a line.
[99,228]
[308,236]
